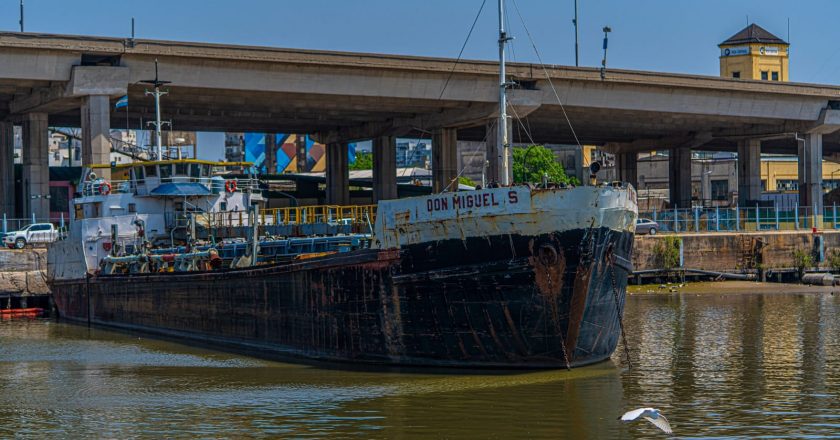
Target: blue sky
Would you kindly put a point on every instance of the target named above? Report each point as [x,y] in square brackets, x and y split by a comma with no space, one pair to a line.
[661,35]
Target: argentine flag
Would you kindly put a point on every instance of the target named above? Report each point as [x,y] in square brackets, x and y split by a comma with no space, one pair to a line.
[122,102]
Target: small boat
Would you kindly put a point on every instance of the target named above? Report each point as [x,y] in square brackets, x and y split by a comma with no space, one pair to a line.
[31,312]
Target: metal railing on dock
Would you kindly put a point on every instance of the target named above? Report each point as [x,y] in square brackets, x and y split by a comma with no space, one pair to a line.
[724,219]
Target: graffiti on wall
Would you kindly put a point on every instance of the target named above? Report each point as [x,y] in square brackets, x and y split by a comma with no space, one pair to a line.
[288,153]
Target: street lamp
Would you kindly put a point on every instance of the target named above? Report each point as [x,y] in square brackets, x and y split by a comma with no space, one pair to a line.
[606,30]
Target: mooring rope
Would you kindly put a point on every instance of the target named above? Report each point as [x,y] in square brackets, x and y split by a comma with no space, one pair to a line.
[618,311]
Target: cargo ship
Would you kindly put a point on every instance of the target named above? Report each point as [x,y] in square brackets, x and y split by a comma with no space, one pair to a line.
[509,276]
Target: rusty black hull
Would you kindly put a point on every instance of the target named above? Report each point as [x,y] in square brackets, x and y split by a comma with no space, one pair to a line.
[494,302]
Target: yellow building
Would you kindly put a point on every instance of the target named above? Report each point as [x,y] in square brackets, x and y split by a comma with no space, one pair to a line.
[780,173]
[754,53]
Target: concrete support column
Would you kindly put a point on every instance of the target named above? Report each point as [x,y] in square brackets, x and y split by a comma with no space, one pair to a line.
[679,172]
[7,169]
[384,168]
[628,167]
[444,159]
[810,172]
[270,153]
[749,172]
[300,145]
[495,153]
[36,166]
[338,174]
[96,133]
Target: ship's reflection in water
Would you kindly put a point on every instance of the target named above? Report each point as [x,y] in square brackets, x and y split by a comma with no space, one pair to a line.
[717,366]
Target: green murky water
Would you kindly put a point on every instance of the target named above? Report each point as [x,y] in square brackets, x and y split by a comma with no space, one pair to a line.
[719,366]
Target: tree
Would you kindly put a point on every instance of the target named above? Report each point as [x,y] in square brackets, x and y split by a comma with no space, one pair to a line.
[464,180]
[364,161]
[531,163]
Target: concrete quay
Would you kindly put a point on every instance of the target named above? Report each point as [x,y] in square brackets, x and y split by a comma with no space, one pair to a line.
[22,279]
[773,254]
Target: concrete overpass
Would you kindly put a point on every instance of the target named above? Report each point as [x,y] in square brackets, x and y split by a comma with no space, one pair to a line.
[341,97]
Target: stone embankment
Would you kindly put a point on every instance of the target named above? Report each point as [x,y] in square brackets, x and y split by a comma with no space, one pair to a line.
[22,273]
[761,254]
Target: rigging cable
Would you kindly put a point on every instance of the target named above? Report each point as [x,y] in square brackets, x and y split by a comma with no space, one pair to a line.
[545,70]
[449,77]
[464,46]
[452,72]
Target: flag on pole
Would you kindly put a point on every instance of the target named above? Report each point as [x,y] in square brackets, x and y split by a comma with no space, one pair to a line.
[122,102]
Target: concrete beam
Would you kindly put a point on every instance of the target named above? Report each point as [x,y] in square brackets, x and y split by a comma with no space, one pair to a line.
[369,130]
[689,140]
[522,103]
[444,160]
[36,166]
[96,133]
[384,168]
[338,174]
[97,80]
[628,169]
[810,172]
[679,182]
[749,172]
[84,81]
[828,122]
[7,169]
[45,99]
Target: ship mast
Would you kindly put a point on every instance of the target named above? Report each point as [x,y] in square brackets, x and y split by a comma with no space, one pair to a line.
[502,145]
[157,123]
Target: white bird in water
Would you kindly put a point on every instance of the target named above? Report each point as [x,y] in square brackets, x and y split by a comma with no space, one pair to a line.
[652,415]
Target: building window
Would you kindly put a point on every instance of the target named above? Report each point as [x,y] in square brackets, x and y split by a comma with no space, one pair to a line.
[774,76]
[165,173]
[787,185]
[830,184]
[764,75]
[132,207]
[763,185]
[736,74]
[720,189]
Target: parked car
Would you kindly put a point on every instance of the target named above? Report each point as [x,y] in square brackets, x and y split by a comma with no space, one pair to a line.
[37,233]
[646,226]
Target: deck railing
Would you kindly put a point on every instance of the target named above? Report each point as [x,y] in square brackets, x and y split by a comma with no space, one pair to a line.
[301,215]
[99,187]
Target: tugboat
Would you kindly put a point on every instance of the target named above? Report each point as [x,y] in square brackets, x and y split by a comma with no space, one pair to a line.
[513,276]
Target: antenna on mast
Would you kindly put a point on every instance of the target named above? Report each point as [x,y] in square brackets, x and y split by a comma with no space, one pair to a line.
[21,16]
[606,30]
[575,21]
[130,42]
[157,82]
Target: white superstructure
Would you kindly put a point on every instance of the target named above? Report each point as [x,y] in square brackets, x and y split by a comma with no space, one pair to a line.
[149,198]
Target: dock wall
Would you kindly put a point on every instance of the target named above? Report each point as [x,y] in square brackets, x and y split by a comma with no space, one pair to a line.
[739,252]
[22,275]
